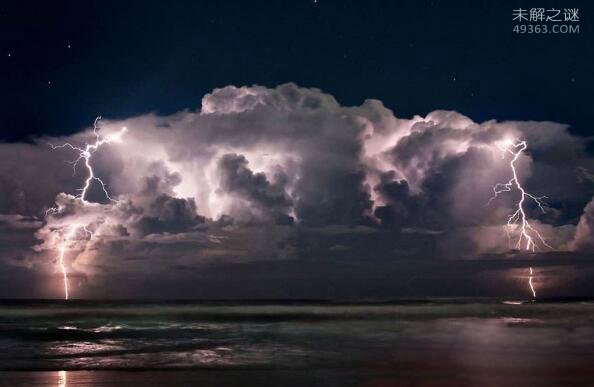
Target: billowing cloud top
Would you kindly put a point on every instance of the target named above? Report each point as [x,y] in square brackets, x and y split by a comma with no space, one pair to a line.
[287,174]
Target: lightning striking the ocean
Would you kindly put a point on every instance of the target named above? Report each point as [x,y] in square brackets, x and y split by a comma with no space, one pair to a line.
[529,238]
[531,284]
[83,154]
[62,249]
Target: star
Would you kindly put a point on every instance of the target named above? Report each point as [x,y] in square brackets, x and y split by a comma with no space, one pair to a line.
[9,54]
[68,45]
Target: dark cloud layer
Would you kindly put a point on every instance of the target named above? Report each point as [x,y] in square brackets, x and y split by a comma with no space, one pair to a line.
[255,189]
[287,176]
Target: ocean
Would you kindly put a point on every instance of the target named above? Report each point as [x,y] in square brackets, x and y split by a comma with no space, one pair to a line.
[271,343]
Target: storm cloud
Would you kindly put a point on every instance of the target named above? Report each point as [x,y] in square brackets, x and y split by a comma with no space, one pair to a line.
[287,174]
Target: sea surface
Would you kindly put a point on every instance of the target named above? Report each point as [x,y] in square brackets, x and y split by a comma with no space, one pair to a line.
[428,342]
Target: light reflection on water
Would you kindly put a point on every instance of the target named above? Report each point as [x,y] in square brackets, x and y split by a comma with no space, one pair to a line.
[62,378]
[463,335]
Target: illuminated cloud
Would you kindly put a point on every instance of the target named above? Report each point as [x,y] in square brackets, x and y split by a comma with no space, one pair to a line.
[584,235]
[261,174]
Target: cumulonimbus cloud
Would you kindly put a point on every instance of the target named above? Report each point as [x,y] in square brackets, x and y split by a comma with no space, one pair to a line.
[257,169]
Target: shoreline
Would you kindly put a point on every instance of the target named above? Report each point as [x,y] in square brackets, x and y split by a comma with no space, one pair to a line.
[418,374]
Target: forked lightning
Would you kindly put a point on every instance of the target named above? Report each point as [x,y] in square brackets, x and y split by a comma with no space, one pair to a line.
[528,236]
[84,154]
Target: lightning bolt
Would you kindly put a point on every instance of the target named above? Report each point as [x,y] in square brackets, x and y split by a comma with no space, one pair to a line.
[531,284]
[62,250]
[85,154]
[529,238]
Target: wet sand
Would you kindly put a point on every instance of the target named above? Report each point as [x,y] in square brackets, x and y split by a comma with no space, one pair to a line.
[421,344]
[401,375]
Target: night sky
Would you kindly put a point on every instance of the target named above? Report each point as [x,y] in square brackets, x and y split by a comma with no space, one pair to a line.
[293,149]
[63,63]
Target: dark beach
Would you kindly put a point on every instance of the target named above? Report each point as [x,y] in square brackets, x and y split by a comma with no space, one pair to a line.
[429,343]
